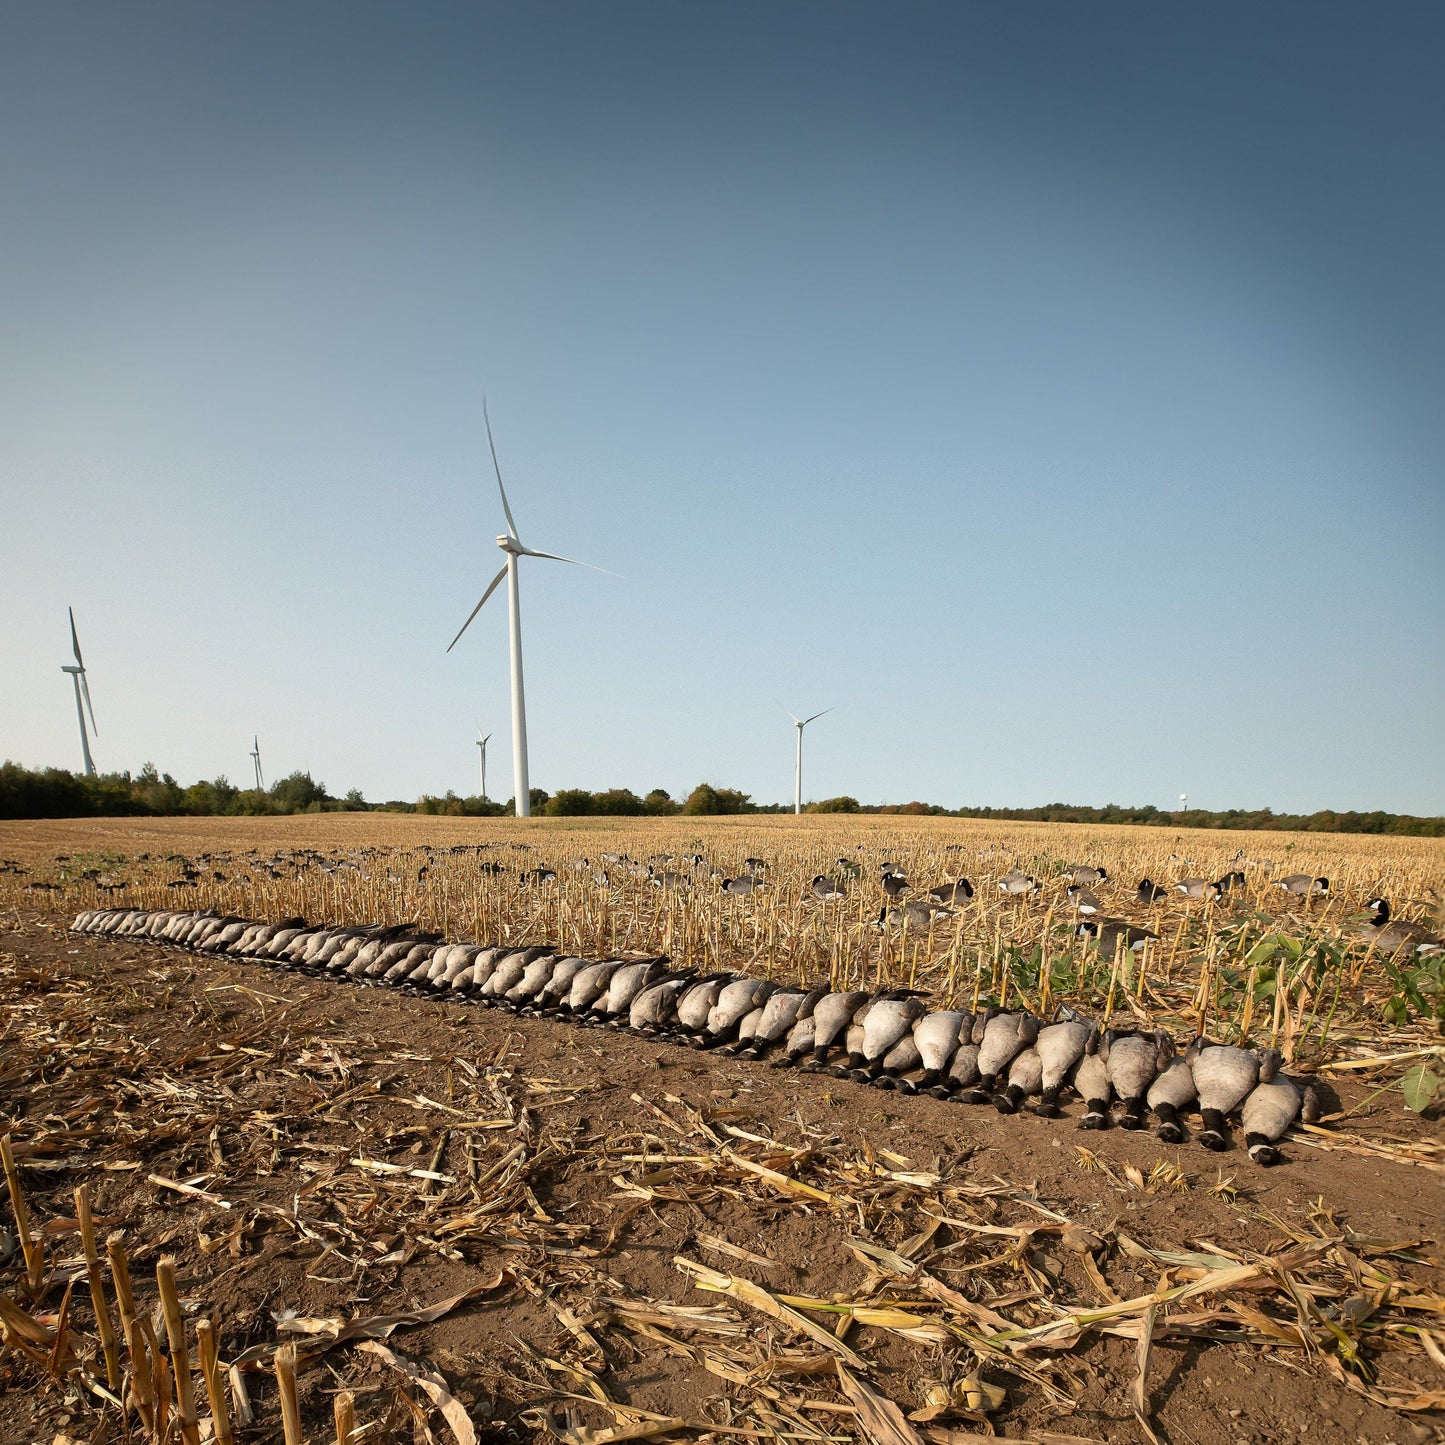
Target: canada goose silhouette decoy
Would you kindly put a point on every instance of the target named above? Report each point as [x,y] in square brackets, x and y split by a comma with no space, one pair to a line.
[1149,892]
[955,893]
[1090,875]
[1085,901]
[895,885]
[1302,885]
[1197,888]
[825,888]
[1018,884]
[1389,935]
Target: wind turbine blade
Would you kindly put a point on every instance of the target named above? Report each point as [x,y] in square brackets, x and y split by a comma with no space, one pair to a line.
[553,557]
[511,525]
[486,739]
[817,715]
[495,581]
[796,719]
[85,688]
[74,638]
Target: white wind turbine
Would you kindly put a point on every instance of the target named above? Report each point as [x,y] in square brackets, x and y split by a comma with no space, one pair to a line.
[800,724]
[512,546]
[77,676]
[256,758]
[482,748]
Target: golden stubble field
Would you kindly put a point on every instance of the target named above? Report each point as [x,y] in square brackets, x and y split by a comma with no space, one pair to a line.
[1258,962]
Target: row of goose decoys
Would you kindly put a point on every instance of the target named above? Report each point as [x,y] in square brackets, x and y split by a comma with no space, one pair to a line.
[889,1038]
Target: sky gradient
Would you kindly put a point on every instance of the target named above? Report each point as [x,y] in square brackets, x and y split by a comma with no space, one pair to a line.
[1052,390]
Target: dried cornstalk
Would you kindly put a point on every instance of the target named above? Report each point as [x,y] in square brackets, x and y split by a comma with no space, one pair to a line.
[186,1419]
[286,1382]
[215,1386]
[97,1287]
[345,1414]
[32,1248]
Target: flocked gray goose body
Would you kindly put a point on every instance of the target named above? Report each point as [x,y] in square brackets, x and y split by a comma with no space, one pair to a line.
[1272,1106]
[1060,1047]
[1004,1035]
[1133,1063]
[1223,1077]
[1172,1091]
[644,995]
[1091,1080]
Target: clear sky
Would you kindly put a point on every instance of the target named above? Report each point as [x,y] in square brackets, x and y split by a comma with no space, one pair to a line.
[1055,390]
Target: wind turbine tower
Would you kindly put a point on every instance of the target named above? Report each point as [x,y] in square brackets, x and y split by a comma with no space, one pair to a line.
[511,545]
[800,724]
[77,676]
[482,748]
[256,758]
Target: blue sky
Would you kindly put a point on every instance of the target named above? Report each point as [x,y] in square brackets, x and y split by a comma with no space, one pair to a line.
[1054,390]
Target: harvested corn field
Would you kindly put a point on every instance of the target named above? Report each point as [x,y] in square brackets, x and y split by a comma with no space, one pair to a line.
[483,1226]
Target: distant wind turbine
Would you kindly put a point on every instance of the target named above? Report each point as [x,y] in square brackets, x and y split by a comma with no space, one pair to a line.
[256,758]
[511,545]
[482,748]
[800,724]
[77,676]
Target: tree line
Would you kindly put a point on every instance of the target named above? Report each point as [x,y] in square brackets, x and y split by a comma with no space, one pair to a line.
[58,793]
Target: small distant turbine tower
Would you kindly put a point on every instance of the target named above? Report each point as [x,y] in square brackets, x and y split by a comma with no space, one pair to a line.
[77,676]
[482,748]
[1184,802]
[511,545]
[800,724]
[256,758]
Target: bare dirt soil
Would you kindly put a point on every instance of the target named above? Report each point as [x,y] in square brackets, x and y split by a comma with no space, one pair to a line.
[354,1153]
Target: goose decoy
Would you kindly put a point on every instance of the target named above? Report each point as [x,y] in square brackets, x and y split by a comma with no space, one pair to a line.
[852,1045]
[956,894]
[734,1002]
[1272,1106]
[917,916]
[1389,935]
[895,885]
[559,985]
[1091,1080]
[1302,885]
[1060,1047]
[1172,1090]
[1230,881]
[508,971]
[1133,1061]
[652,1010]
[823,887]
[697,1002]
[624,986]
[588,985]
[1113,933]
[1223,1076]
[832,1016]
[535,977]
[1149,892]
[963,1070]
[1197,888]
[1025,1077]
[1004,1036]
[937,1036]
[1090,875]
[902,1059]
[781,1012]
[1018,884]
[742,886]
[890,1019]
[799,1043]
[754,865]
[1085,901]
